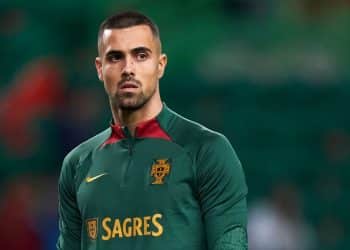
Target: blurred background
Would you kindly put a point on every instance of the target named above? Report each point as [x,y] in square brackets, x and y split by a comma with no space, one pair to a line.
[273,76]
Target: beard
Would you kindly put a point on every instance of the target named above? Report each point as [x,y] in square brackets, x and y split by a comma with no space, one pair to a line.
[131,101]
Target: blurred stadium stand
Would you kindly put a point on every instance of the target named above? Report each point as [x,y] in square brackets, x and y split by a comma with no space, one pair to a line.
[271,75]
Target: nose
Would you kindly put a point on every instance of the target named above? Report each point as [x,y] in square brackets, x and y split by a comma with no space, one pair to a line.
[129,66]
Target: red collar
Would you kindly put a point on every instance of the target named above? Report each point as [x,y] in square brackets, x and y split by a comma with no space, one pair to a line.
[147,129]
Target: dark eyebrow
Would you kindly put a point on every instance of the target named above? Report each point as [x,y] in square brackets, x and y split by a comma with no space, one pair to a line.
[141,49]
[134,51]
[114,52]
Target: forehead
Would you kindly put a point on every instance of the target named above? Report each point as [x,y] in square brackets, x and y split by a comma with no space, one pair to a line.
[128,38]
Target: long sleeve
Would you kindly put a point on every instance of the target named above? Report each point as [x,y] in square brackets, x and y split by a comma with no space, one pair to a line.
[69,215]
[235,239]
[222,193]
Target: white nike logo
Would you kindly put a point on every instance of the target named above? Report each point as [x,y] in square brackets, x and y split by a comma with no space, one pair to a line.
[91,179]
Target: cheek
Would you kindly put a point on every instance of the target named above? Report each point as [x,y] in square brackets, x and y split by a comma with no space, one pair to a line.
[110,74]
[151,71]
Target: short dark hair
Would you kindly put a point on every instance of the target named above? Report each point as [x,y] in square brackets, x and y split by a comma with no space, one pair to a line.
[124,20]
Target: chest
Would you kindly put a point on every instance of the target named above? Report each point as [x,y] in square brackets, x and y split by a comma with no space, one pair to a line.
[136,179]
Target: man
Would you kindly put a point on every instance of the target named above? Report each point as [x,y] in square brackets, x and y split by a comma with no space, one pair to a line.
[153,180]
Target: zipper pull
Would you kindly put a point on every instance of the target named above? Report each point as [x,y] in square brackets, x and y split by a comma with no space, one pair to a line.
[130,140]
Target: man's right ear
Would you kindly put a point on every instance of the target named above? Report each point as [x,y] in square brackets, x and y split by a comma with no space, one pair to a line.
[98,65]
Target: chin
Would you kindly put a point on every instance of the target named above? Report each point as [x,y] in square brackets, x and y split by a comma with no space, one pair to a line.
[131,105]
[132,102]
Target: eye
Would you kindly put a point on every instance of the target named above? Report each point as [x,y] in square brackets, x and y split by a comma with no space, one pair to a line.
[114,57]
[141,56]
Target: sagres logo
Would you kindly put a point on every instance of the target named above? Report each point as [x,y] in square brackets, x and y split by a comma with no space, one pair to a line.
[111,228]
[91,226]
[160,169]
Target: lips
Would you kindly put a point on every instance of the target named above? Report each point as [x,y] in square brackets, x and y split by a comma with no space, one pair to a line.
[128,84]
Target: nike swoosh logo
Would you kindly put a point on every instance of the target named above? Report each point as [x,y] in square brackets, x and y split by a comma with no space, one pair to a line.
[91,179]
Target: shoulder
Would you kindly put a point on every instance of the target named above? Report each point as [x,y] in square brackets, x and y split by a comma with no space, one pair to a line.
[69,171]
[188,133]
[209,149]
[80,152]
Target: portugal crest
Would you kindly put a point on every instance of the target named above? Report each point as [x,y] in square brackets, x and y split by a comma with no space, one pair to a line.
[160,169]
[91,226]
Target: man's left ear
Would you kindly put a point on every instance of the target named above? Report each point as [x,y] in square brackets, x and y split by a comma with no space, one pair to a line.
[161,65]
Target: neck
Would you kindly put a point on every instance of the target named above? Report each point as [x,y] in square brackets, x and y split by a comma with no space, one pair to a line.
[130,119]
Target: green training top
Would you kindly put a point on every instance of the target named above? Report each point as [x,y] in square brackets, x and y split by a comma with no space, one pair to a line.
[174,185]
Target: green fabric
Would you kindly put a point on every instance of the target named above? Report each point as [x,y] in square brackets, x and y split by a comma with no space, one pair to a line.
[70,221]
[202,196]
[235,239]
